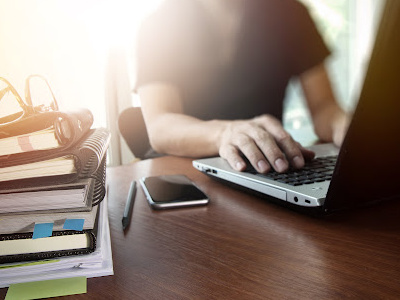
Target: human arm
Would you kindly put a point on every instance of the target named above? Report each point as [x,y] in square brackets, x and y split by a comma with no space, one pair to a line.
[262,140]
[170,130]
[329,119]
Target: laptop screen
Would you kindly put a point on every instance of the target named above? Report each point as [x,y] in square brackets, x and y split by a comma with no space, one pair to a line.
[368,166]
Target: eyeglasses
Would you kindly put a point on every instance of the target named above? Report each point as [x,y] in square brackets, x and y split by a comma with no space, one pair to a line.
[13,108]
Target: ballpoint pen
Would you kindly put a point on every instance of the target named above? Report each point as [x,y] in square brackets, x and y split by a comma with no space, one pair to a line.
[126,219]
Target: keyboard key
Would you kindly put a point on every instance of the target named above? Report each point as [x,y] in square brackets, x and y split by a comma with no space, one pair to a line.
[318,170]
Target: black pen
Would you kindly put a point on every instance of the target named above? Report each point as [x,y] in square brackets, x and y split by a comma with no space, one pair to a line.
[126,219]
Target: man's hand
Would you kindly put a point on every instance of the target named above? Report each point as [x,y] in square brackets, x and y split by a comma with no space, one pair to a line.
[265,144]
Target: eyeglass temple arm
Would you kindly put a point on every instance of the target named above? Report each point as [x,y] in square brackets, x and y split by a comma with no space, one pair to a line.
[28,91]
[3,92]
[15,93]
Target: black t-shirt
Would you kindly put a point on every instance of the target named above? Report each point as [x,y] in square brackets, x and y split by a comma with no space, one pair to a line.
[277,40]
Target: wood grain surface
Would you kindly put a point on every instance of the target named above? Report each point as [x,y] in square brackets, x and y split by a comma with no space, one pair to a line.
[243,247]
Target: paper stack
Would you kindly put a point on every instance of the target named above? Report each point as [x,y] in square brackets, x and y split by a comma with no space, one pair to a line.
[53,220]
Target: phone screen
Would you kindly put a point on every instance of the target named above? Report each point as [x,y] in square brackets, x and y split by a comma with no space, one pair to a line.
[172,191]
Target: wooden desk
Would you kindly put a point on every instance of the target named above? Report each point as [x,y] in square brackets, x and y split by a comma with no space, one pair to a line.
[243,247]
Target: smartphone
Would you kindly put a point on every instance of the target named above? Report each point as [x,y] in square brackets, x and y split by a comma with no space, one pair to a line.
[171,191]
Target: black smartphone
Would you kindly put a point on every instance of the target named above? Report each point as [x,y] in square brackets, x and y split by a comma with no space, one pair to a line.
[171,191]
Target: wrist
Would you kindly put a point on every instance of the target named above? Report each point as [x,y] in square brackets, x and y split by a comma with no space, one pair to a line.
[339,127]
[220,129]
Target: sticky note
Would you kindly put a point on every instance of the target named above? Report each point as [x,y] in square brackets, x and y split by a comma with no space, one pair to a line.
[42,230]
[74,224]
[47,288]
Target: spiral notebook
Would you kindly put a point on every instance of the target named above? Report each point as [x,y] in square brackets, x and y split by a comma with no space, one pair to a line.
[20,222]
[54,165]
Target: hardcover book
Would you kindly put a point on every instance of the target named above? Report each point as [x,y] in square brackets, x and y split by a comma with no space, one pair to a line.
[75,196]
[19,247]
[38,140]
[23,223]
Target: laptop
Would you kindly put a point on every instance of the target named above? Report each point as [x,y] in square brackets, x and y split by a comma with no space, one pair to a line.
[366,169]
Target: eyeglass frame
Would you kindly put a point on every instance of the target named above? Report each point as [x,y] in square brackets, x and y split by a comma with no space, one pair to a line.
[27,106]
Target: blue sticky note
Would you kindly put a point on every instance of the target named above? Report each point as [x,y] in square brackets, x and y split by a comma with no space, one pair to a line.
[74,224]
[42,230]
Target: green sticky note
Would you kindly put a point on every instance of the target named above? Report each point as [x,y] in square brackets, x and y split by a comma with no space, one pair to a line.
[47,288]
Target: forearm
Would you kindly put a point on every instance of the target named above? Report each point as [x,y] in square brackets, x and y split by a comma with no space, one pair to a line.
[330,123]
[324,121]
[182,135]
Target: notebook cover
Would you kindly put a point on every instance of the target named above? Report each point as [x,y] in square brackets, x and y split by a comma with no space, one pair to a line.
[48,254]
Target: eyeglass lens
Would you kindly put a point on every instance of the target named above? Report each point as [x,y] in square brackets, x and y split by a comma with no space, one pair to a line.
[38,98]
[39,93]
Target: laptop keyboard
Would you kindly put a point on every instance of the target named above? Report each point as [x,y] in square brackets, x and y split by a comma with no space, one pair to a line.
[318,170]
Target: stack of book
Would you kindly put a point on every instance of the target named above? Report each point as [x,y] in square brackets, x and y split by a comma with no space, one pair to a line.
[53,215]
